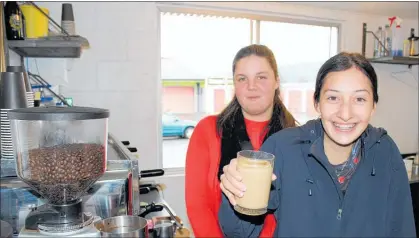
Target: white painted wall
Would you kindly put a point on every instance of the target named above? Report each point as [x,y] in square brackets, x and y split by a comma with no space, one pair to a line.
[121,71]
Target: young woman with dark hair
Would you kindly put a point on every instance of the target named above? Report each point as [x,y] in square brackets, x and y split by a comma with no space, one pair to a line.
[336,176]
[255,113]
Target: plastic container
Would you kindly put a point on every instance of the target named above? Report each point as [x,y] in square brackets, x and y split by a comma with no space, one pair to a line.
[408,163]
[406,48]
[60,151]
[377,46]
[47,101]
[36,24]
[388,40]
[397,36]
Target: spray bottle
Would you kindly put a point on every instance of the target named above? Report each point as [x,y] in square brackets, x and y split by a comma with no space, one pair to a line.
[397,38]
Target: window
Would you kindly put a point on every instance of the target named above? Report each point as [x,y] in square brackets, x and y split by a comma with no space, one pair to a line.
[196,59]
[196,56]
[300,50]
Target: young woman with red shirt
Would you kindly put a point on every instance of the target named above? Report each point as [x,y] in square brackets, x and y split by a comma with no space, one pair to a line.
[255,113]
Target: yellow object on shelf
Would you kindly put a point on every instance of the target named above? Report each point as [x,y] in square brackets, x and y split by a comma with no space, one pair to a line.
[36,23]
[37,96]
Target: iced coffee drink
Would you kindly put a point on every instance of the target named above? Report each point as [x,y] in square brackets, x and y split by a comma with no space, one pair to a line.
[255,168]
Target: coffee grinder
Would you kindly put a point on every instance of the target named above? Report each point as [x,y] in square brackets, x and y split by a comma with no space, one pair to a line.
[60,153]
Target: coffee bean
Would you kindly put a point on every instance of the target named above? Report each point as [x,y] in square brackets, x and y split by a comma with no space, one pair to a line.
[63,173]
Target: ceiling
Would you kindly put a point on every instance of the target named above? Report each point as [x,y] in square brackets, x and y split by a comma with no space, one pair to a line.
[400,9]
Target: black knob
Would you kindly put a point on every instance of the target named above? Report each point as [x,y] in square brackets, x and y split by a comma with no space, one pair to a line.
[132,149]
[125,142]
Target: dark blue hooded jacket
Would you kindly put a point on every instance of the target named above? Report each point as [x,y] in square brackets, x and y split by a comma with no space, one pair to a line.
[307,201]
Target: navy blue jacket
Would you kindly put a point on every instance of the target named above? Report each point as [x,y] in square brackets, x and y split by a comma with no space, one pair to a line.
[307,201]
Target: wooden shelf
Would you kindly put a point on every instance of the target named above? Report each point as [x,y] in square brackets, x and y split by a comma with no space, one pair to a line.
[50,47]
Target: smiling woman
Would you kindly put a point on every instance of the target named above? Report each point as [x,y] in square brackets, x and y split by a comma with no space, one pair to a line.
[337,176]
[345,97]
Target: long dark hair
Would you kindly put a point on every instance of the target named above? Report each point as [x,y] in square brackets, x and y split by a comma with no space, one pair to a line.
[344,61]
[281,117]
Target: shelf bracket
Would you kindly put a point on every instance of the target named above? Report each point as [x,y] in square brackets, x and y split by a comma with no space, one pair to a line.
[364,39]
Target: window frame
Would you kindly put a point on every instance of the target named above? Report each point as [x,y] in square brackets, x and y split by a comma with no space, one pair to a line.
[254,27]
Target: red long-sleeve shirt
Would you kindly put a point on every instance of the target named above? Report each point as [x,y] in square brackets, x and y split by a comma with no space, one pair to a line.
[202,187]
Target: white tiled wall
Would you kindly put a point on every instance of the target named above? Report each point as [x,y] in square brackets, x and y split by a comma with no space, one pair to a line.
[121,71]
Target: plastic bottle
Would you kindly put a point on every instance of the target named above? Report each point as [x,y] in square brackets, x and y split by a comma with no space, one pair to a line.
[378,49]
[406,48]
[413,43]
[397,44]
[388,40]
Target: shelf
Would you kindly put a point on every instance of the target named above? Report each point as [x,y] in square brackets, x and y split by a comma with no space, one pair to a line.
[409,61]
[396,60]
[50,47]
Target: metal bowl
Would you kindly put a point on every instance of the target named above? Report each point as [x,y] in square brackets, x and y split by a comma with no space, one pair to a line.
[123,226]
[164,228]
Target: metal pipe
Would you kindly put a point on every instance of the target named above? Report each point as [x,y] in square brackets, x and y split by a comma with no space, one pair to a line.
[364,38]
[4,49]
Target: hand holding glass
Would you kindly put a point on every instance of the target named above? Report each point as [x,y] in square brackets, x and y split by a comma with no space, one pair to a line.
[255,168]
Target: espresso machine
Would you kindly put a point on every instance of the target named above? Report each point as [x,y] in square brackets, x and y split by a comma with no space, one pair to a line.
[41,198]
[60,153]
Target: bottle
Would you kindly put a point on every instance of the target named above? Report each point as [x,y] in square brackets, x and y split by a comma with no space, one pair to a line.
[406,48]
[14,21]
[413,41]
[37,99]
[397,38]
[377,46]
[388,40]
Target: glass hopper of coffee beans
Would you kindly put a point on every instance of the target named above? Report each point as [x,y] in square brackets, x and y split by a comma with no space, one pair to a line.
[60,153]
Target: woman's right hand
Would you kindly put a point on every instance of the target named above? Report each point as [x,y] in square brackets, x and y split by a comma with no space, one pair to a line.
[231,182]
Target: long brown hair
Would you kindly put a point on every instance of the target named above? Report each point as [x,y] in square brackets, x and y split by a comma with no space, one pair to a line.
[281,117]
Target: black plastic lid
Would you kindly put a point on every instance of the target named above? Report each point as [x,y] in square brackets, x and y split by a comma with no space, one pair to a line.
[52,113]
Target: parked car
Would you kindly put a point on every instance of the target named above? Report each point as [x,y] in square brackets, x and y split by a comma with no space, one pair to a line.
[174,126]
